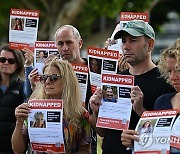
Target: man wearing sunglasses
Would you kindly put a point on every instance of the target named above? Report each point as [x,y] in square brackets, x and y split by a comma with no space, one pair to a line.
[11,93]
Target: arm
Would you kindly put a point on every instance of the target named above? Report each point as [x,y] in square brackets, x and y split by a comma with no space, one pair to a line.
[95,102]
[137,97]
[19,136]
[28,68]
[34,78]
[128,137]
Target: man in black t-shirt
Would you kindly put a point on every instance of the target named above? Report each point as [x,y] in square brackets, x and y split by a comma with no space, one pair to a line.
[138,39]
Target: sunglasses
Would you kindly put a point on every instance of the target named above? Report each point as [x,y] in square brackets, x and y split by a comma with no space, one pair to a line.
[52,78]
[10,60]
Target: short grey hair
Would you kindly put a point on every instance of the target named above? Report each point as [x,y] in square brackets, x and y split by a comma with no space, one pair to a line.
[74,30]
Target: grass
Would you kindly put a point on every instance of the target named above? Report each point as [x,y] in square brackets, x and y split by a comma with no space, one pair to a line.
[99,143]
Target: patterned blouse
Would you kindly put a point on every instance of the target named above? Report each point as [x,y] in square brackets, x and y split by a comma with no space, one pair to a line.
[74,139]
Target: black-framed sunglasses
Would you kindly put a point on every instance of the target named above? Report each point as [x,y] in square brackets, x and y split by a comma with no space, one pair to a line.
[52,78]
[10,60]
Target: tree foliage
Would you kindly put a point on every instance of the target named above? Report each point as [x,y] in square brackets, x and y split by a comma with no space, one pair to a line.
[84,14]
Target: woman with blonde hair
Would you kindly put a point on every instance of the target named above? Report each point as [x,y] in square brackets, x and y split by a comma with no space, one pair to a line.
[58,82]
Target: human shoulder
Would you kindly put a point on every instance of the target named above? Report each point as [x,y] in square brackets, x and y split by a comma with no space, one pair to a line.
[164,102]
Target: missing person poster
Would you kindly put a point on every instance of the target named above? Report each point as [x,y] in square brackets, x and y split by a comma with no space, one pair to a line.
[154,129]
[101,61]
[23,28]
[175,136]
[124,18]
[82,76]
[42,50]
[115,111]
[45,125]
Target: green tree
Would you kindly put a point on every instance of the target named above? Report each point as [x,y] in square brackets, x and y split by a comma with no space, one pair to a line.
[84,14]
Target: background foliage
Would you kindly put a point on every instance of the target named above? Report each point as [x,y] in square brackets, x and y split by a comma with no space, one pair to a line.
[86,15]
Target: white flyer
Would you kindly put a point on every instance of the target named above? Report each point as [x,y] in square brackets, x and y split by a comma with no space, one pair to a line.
[115,111]
[124,18]
[45,125]
[82,76]
[154,129]
[42,50]
[101,61]
[23,28]
[175,136]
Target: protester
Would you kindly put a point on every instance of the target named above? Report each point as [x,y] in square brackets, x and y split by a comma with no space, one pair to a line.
[69,43]
[11,93]
[58,82]
[169,65]
[138,39]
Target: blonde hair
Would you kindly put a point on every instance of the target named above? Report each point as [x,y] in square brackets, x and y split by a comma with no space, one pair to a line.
[70,92]
[172,52]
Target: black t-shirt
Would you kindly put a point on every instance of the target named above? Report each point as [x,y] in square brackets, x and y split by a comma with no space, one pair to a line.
[88,92]
[152,86]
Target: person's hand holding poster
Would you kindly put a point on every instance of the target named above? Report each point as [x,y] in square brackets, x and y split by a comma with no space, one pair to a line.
[45,125]
[115,111]
[154,129]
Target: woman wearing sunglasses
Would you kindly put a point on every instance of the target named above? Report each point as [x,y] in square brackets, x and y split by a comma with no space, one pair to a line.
[58,82]
[11,93]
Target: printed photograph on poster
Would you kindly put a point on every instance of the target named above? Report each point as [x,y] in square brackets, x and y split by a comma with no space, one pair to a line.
[39,120]
[109,93]
[41,56]
[17,24]
[146,126]
[95,65]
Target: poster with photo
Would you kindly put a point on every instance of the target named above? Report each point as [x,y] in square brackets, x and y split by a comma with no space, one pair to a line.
[154,129]
[115,111]
[124,18]
[101,61]
[81,72]
[175,136]
[42,50]
[23,28]
[45,123]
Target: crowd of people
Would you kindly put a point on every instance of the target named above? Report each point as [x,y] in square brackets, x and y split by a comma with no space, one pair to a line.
[156,88]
